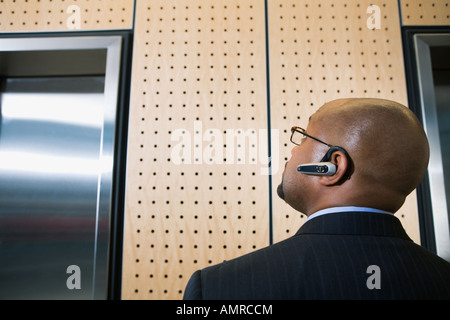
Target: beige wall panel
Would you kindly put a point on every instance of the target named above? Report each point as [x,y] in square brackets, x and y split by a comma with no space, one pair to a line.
[425,12]
[61,15]
[198,68]
[321,51]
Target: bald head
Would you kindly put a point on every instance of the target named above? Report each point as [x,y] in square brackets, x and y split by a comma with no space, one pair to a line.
[388,157]
[385,140]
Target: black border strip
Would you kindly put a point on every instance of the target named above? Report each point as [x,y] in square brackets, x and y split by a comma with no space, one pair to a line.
[269,125]
[119,170]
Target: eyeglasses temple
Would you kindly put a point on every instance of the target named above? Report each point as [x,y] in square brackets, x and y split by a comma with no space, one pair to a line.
[305,134]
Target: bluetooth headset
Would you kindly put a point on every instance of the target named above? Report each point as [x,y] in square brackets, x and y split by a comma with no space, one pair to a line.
[324,167]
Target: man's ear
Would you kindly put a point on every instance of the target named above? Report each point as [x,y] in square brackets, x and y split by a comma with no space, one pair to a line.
[342,163]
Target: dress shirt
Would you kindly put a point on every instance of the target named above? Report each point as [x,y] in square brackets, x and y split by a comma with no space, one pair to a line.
[346,209]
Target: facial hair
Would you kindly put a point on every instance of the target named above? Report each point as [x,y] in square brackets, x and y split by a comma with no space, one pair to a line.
[280,191]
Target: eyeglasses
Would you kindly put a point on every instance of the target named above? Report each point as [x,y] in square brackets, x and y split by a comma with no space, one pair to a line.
[297,134]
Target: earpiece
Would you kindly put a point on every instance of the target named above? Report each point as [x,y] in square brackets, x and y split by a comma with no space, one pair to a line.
[318,168]
[324,167]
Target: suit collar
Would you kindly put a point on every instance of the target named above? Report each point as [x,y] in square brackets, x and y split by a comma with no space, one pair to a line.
[355,223]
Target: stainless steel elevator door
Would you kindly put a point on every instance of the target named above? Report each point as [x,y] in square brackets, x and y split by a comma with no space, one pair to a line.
[49,164]
[58,103]
[441,79]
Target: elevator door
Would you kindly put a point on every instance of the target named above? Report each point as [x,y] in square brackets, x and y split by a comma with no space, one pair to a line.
[49,151]
[57,103]
[441,80]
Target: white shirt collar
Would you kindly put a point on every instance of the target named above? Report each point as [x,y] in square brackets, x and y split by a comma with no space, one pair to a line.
[345,209]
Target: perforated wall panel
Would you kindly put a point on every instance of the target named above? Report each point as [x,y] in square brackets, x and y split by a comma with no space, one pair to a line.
[425,12]
[61,15]
[197,188]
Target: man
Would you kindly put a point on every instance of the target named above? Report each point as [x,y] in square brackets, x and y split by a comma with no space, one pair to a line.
[367,155]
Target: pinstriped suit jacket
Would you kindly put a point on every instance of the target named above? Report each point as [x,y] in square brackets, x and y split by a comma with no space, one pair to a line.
[328,258]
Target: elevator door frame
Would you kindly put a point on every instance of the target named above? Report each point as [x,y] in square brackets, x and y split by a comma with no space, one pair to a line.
[433,220]
[422,44]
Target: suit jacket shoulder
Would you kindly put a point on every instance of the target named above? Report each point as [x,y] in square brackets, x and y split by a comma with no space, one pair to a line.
[330,257]
[194,288]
